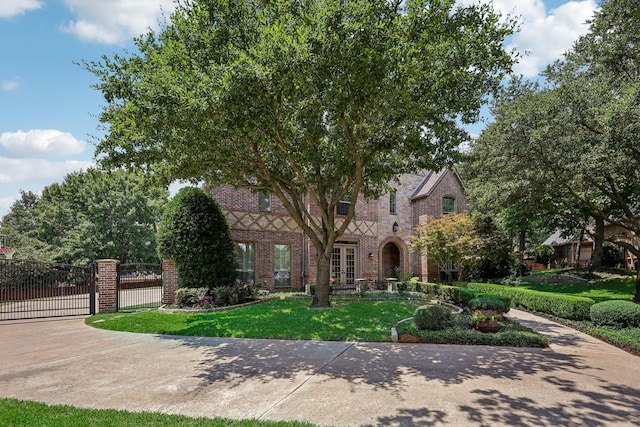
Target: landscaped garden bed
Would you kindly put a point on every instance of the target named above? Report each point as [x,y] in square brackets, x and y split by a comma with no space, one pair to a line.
[592,286]
[353,318]
[460,331]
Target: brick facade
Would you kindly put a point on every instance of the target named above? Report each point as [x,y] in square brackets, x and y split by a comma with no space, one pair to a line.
[370,244]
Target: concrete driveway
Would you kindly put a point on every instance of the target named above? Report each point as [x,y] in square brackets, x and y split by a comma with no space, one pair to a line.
[578,381]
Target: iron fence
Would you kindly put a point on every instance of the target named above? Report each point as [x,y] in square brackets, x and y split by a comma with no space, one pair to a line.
[139,286]
[31,289]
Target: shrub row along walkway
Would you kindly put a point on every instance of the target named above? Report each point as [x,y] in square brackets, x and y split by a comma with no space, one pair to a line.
[578,381]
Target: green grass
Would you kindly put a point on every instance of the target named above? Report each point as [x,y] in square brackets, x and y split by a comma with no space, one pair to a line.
[620,285]
[598,290]
[33,414]
[277,319]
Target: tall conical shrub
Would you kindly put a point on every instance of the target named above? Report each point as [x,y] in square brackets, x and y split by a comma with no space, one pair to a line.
[194,232]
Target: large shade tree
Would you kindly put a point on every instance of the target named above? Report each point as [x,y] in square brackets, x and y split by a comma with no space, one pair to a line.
[573,144]
[314,101]
[90,214]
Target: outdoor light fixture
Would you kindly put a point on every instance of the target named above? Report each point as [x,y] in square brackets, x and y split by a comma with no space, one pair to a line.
[395,227]
[370,255]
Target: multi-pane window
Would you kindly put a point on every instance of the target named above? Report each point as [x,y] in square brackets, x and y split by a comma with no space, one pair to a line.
[245,256]
[264,200]
[282,265]
[393,199]
[448,205]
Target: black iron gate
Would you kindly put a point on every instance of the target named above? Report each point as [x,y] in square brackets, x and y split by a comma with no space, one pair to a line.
[31,289]
[139,286]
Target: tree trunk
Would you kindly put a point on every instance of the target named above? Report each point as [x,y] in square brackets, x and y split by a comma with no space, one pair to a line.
[636,297]
[579,248]
[321,297]
[598,243]
[522,241]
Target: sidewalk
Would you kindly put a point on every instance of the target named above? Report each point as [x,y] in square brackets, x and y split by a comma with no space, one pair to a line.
[578,381]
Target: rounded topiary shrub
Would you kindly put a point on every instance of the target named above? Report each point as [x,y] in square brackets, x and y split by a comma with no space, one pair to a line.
[489,303]
[432,317]
[616,313]
[194,232]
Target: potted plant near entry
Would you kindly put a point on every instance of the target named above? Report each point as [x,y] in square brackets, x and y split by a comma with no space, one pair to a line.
[485,320]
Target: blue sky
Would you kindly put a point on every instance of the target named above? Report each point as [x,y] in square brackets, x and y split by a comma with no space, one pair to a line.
[48,110]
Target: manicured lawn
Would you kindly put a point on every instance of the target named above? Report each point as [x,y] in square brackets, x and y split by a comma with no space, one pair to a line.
[608,287]
[292,319]
[598,290]
[278,319]
[33,414]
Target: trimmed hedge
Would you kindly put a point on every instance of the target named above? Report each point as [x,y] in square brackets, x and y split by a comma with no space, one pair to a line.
[616,313]
[500,305]
[565,306]
[456,294]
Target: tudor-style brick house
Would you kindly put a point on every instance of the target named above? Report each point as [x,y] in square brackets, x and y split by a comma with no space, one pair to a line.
[274,252]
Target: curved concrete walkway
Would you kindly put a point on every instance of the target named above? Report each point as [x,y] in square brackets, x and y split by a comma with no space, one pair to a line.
[578,381]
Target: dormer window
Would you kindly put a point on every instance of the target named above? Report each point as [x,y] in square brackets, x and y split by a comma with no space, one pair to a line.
[448,205]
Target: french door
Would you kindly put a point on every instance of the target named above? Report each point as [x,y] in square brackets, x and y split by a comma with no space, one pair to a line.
[343,265]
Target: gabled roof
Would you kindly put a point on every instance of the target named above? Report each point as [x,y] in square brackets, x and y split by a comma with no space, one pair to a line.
[558,239]
[427,185]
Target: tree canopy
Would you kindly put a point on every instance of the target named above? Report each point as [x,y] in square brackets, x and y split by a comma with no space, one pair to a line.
[570,148]
[450,239]
[313,101]
[89,215]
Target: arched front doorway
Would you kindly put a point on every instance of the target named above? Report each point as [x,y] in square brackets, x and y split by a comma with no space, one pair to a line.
[390,261]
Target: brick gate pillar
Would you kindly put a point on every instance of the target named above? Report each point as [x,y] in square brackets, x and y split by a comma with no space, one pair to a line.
[107,285]
[169,281]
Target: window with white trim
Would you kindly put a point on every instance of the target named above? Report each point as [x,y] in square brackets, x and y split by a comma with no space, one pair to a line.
[282,265]
[245,257]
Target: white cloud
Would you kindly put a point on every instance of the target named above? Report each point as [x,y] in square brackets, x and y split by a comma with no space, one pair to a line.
[39,142]
[544,35]
[10,8]
[32,175]
[115,21]
[8,85]
[6,203]
[38,172]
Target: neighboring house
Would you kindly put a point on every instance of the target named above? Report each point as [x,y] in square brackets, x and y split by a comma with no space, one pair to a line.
[274,252]
[566,248]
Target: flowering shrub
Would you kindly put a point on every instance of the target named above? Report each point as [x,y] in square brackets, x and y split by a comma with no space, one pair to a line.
[479,316]
[205,298]
[190,297]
